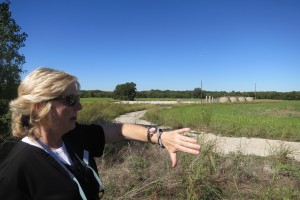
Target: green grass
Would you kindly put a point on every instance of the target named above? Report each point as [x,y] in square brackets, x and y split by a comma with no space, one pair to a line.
[274,120]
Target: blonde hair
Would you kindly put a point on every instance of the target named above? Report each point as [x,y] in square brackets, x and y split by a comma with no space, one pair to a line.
[40,86]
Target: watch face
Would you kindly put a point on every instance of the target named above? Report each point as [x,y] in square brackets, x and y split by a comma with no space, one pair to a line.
[152,130]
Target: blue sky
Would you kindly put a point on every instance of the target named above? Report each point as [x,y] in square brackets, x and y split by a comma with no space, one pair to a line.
[166,44]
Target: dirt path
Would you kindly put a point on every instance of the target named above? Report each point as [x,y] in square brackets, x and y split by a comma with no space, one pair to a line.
[247,146]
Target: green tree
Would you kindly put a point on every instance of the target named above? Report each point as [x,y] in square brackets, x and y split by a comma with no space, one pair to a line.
[197,93]
[11,61]
[125,91]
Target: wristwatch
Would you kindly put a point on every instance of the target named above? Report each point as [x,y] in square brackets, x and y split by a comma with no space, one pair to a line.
[159,132]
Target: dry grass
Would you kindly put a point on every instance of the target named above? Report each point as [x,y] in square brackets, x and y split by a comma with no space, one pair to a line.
[134,170]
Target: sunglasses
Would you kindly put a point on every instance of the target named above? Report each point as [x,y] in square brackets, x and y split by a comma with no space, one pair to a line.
[69,100]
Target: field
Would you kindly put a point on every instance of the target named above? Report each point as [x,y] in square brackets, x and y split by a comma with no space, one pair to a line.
[273,120]
[134,170]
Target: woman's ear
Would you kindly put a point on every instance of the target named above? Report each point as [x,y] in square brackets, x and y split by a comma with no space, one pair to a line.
[37,107]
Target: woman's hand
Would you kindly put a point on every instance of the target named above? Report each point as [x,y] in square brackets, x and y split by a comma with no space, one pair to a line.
[175,141]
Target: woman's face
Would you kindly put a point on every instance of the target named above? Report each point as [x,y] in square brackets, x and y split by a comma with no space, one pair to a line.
[63,116]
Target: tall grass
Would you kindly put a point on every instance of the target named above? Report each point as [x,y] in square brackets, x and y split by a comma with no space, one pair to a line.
[135,170]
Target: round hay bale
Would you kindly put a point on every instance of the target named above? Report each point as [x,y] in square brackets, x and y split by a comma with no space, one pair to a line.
[249,99]
[233,99]
[223,99]
[241,99]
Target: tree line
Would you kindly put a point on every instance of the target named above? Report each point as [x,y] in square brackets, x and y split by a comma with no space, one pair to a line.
[187,94]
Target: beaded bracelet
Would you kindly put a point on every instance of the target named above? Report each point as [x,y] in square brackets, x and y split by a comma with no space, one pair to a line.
[159,133]
[151,131]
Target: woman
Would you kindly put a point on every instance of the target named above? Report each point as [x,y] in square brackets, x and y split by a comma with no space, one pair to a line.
[55,157]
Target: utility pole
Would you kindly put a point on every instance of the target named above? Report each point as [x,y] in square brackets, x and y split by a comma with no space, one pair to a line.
[201,91]
[255,92]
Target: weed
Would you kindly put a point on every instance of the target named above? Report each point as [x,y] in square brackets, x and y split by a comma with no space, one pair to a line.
[206,116]
[281,153]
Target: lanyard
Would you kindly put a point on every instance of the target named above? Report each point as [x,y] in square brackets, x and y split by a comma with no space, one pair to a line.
[49,151]
[85,162]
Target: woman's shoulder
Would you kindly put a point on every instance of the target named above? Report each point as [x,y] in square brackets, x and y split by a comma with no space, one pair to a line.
[18,156]
[88,137]
[88,127]
[84,130]
[19,150]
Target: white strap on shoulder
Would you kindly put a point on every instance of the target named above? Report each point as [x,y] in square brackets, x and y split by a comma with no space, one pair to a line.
[64,167]
[86,157]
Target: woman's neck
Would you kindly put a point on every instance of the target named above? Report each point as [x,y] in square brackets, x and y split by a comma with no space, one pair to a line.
[49,138]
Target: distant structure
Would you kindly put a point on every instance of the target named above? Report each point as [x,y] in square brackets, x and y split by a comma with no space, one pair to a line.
[209,99]
[235,99]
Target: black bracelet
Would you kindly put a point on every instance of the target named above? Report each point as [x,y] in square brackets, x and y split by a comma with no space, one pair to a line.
[159,133]
[150,132]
